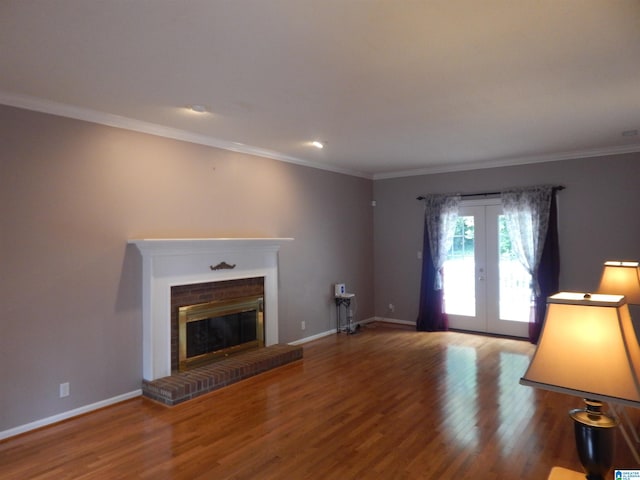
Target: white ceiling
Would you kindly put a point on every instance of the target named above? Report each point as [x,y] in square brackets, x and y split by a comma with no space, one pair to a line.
[394,87]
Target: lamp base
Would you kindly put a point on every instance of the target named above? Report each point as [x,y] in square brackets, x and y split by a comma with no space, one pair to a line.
[595,436]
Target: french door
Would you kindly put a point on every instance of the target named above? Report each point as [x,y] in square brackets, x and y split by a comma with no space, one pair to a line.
[486,289]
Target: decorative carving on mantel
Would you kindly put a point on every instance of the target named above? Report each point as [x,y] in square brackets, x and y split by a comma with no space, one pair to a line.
[223,266]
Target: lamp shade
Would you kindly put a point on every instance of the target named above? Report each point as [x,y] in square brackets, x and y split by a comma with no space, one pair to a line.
[587,348]
[621,278]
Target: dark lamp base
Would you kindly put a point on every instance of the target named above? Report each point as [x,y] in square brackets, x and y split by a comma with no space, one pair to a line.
[595,436]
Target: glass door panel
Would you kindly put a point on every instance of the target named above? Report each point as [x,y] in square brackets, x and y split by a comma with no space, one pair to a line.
[508,284]
[486,289]
[463,272]
[459,276]
[515,281]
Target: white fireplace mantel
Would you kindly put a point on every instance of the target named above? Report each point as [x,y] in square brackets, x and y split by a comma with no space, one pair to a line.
[168,262]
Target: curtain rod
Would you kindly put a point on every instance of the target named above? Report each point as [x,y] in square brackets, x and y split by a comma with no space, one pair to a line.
[489,194]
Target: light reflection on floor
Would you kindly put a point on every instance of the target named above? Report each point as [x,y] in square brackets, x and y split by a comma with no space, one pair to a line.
[516,402]
[504,397]
[460,405]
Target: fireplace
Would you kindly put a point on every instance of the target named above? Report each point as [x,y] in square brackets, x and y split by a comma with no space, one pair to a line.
[215,330]
[171,263]
[202,299]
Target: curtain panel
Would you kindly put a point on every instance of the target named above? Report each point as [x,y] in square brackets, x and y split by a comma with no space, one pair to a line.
[440,216]
[531,219]
[548,273]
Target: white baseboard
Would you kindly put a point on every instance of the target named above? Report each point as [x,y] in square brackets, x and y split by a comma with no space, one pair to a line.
[313,337]
[393,320]
[328,332]
[366,320]
[69,414]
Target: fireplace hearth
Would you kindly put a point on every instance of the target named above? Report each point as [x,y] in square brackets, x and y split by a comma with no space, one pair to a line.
[183,386]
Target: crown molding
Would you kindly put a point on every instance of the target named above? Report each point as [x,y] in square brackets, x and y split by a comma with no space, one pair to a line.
[553,157]
[70,111]
[64,110]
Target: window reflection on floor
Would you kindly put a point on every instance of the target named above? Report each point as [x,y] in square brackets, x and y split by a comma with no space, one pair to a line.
[516,402]
[461,398]
[509,405]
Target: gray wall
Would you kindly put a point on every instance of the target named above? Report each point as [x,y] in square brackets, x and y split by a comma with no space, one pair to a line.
[598,221]
[73,193]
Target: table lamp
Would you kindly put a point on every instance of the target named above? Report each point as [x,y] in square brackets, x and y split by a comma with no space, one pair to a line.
[621,278]
[588,348]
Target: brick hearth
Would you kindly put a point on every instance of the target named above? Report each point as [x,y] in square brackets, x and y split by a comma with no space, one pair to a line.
[183,386]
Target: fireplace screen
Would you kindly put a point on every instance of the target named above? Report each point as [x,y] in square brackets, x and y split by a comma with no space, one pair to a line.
[214,330]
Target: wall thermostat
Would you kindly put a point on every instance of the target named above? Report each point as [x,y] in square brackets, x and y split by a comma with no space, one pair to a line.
[340,289]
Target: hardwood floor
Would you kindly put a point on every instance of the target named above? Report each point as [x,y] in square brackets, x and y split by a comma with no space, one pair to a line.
[386,403]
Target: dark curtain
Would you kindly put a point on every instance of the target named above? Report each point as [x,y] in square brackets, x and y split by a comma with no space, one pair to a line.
[431,317]
[548,272]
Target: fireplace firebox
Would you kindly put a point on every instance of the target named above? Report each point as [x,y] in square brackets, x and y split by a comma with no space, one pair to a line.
[217,329]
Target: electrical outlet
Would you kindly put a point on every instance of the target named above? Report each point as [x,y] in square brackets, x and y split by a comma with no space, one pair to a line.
[392,307]
[303,325]
[64,389]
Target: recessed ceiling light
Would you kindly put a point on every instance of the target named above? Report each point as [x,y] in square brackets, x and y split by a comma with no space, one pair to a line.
[318,144]
[198,108]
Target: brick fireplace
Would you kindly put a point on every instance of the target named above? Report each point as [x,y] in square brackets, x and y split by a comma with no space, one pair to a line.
[171,263]
[205,294]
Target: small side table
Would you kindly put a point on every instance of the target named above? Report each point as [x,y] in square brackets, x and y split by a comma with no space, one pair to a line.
[344,299]
[559,473]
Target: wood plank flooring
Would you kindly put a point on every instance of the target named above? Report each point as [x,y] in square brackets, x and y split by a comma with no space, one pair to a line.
[386,403]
